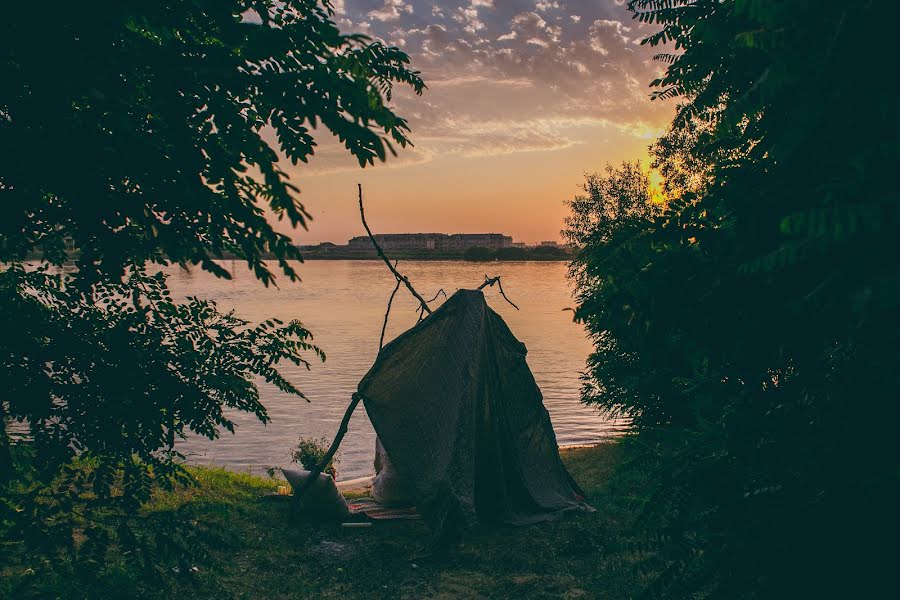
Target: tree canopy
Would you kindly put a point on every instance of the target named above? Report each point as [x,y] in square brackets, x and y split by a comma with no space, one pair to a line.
[144,134]
[141,130]
[748,329]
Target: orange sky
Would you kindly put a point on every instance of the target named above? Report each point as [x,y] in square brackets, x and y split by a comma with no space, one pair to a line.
[523,99]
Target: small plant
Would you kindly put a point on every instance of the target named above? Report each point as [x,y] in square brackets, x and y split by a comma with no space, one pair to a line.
[310,451]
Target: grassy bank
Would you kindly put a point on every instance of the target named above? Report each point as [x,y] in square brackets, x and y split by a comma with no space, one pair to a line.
[237,546]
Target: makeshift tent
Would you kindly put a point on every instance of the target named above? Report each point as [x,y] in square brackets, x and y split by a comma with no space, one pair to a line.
[459,414]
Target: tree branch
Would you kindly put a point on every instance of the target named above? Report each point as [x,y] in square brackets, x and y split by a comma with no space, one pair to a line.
[380,252]
[490,281]
[423,308]
[422,312]
[388,312]
[438,293]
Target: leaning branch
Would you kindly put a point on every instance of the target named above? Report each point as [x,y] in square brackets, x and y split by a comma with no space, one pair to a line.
[423,308]
[490,281]
[342,430]
[380,252]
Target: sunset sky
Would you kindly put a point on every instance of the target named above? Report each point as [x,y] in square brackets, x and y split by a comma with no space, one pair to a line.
[524,97]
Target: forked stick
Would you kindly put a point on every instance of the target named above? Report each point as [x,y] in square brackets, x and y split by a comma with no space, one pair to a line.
[354,402]
[490,281]
[342,430]
[397,274]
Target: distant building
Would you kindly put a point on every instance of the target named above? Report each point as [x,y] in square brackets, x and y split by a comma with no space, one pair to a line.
[464,241]
[549,244]
[432,241]
[399,241]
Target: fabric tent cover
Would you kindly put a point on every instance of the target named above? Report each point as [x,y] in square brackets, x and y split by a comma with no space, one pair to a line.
[459,413]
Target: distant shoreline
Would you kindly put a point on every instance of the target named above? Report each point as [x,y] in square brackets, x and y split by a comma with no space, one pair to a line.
[423,257]
[491,256]
[475,254]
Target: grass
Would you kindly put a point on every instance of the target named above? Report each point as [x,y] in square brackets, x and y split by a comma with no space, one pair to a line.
[236,545]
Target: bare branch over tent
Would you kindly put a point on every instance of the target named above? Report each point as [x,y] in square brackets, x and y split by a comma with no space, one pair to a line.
[387,313]
[490,281]
[422,312]
[438,293]
[397,274]
[423,309]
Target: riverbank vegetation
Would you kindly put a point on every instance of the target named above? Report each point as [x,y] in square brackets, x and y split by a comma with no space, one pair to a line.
[478,254]
[157,118]
[748,327]
[232,544]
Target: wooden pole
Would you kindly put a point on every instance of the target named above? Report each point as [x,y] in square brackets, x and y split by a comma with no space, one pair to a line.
[342,430]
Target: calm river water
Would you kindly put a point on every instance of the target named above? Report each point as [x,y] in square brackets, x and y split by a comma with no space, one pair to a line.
[343,303]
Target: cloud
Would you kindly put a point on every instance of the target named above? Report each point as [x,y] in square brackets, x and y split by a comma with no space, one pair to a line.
[510,76]
[604,31]
[468,17]
[391,11]
[545,5]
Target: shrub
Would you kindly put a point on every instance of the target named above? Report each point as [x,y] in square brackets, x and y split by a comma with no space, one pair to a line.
[749,331]
[310,452]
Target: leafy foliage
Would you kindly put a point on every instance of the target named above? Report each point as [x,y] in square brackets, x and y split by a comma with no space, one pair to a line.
[479,254]
[610,204]
[113,378]
[310,452]
[151,367]
[608,223]
[158,118]
[167,125]
[748,329]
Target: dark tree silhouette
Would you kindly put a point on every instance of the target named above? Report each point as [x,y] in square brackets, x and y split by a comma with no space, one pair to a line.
[144,133]
[750,330]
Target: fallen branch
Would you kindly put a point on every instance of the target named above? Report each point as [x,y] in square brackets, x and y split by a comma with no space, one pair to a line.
[490,281]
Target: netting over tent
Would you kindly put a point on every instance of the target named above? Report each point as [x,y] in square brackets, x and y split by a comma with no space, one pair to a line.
[459,413]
